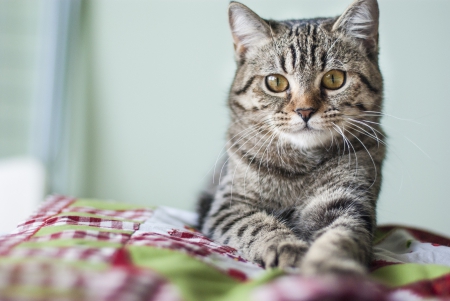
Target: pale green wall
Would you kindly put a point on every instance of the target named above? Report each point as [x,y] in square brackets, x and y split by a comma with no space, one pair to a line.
[158,77]
[19,40]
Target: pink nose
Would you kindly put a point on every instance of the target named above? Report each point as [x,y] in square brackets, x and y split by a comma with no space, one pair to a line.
[305,113]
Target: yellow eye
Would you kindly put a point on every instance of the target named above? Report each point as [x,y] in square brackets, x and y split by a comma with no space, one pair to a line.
[333,79]
[276,83]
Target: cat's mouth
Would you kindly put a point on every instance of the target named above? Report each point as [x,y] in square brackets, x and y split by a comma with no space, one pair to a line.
[302,128]
[307,128]
[307,136]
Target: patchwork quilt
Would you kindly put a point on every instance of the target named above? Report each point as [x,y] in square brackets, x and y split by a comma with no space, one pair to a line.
[80,249]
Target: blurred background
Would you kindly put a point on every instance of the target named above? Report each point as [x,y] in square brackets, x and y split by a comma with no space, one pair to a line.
[125,100]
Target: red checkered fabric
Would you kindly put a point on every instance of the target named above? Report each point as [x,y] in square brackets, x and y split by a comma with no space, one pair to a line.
[137,214]
[298,288]
[31,224]
[92,235]
[73,253]
[63,282]
[51,206]
[192,243]
[92,222]
[10,240]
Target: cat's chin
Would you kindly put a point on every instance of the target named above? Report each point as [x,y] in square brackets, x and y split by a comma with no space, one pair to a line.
[307,138]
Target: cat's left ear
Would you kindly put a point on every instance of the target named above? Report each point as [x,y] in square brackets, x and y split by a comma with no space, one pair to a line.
[360,21]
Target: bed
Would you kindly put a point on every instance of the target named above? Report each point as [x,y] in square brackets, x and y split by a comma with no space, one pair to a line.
[85,249]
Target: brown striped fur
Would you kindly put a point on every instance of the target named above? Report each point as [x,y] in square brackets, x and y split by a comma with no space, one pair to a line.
[295,194]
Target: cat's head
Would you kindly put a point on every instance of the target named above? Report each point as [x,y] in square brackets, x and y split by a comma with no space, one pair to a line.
[307,80]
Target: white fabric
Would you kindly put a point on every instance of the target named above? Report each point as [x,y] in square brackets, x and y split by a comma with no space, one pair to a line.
[400,246]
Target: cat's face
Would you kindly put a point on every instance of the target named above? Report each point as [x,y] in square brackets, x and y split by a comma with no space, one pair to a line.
[307,81]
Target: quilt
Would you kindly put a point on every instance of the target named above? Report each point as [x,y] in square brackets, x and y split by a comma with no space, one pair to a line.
[85,249]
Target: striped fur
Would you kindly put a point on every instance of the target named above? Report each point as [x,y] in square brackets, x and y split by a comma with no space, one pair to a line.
[290,193]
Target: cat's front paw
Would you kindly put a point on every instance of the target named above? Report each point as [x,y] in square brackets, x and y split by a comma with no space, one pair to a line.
[284,254]
[332,266]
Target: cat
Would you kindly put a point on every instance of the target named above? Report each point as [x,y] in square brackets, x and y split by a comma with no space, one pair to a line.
[299,186]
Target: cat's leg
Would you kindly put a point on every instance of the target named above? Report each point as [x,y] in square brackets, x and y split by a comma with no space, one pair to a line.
[340,227]
[337,251]
[259,236]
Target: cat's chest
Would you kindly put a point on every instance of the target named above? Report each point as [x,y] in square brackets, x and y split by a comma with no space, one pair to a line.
[282,192]
[272,190]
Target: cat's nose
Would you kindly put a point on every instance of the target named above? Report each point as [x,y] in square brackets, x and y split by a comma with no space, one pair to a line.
[305,113]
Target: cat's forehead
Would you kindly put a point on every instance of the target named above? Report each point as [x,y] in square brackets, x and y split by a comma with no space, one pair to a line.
[306,24]
[305,45]
[304,27]
[296,35]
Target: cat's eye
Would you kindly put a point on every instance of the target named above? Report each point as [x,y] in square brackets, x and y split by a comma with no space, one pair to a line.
[277,83]
[333,79]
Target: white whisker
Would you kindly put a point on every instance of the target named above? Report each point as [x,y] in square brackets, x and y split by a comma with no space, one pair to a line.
[375,113]
[417,147]
[371,158]
[221,153]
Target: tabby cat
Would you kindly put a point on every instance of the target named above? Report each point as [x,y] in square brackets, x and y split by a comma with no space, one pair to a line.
[299,186]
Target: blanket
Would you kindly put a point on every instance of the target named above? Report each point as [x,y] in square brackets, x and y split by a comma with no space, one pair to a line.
[82,249]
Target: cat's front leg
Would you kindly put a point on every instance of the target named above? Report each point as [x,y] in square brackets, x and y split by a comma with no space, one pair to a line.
[340,228]
[337,251]
[259,236]
[284,253]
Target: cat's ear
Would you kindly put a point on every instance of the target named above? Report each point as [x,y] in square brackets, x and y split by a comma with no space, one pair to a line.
[247,28]
[360,21]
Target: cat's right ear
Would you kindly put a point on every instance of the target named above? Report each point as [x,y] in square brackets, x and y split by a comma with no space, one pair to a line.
[247,28]
[360,21]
